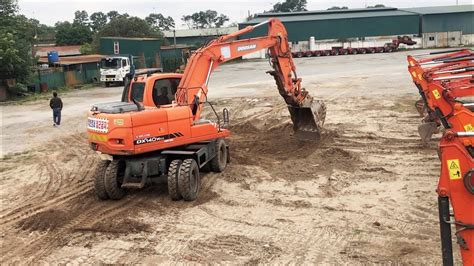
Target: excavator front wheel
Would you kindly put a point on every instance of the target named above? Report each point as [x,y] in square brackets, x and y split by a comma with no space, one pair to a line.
[219,162]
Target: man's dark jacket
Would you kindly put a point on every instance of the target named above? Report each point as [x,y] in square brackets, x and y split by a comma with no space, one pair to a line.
[56,103]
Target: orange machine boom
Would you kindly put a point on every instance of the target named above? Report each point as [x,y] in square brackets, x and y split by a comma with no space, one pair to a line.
[443,80]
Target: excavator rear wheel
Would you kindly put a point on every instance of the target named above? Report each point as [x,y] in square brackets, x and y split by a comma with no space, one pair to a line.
[114,178]
[219,162]
[99,180]
[173,174]
[189,181]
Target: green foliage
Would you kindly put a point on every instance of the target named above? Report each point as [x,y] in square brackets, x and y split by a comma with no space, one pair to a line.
[86,49]
[97,21]
[81,18]
[72,34]
[376,6]
[16,40]
[290,6]
[160,22]
[112,14]
[123,26]
[337,8]
[205,19]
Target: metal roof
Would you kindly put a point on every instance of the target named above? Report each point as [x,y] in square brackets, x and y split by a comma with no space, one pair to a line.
[129,38]
[440,9]
[200,32]
[73,60]
[319,12]
[327,16]
[177,46]
[66,50]
[358,13]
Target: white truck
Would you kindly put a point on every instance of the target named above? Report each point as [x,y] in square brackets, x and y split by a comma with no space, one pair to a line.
[114,69]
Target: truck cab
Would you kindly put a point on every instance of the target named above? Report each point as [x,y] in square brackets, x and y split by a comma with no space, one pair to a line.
[114,69]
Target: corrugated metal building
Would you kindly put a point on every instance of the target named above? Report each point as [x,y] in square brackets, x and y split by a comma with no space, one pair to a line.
[146,51]
[70,71]
[446,26]
[454,21]
[196,37]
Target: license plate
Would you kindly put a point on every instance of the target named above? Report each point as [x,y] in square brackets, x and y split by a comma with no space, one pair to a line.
[98,124]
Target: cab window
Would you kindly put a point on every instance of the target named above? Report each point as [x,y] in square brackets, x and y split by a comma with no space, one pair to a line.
[124,62]
[164,91]
[137,91]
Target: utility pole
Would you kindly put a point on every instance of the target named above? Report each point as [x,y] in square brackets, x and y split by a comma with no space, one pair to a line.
[175,52]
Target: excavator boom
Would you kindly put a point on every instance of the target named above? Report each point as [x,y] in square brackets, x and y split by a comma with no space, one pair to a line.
[306,113]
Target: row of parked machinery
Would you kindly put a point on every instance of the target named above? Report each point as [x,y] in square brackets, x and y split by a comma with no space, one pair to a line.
[445,81]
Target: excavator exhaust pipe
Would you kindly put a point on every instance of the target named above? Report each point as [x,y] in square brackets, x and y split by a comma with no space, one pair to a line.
[308,119]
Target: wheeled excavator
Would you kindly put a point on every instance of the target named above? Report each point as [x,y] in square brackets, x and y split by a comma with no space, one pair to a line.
[145,138]
[444,79]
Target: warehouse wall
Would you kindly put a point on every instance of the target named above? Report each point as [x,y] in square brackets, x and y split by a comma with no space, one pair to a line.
[345,28]
[463,22]
[147,50]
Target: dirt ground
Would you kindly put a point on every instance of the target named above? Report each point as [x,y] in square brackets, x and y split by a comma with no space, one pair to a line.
[365,193]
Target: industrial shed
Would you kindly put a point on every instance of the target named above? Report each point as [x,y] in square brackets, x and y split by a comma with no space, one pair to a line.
[145,50]
[196,37]
[446,25]
[375,23]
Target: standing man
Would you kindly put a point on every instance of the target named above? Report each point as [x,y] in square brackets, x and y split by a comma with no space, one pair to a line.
[57,105]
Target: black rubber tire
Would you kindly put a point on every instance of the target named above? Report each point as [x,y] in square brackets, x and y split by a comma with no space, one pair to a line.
[112,179]
[173,174]
[99,180]
[189,181]
[206,168]
[219,162]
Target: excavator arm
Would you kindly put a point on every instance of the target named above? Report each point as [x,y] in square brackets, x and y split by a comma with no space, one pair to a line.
[307,114]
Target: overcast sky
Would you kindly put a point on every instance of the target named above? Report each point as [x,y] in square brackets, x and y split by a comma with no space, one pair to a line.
[50,11]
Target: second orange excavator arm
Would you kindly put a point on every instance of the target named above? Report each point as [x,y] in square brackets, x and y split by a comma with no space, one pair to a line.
[192,90]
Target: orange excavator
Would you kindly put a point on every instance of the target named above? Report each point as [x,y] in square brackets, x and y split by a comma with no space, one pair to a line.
[157,131]
[445,79]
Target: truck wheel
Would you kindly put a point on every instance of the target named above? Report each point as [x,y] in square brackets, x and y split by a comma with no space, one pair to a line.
[114,179]
[219,162]
[99,180]
[107,84]
[189,181]
[173,174]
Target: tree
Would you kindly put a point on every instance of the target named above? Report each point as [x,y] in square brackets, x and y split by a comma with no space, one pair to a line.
[290,6]
[16,41]
[72,34]
[112,14]
[376,6]
[97,21]
[128,27]
[42,33]
[81,18]
[160,22]
[205,19]
[337,8]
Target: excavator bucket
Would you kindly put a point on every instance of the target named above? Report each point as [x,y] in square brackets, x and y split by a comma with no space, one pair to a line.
[308,119]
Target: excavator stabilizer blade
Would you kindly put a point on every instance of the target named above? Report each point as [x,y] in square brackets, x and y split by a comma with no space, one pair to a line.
[308,119]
